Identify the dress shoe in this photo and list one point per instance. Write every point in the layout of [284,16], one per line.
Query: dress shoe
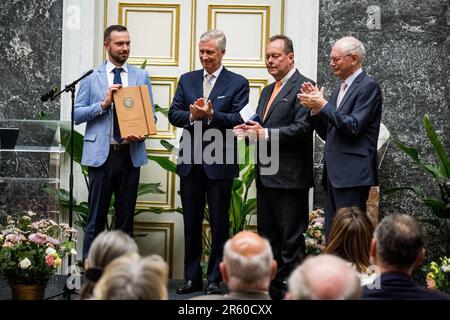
[213,288]
[189,286]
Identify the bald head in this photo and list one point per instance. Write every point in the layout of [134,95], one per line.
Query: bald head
[247,262]
[324,277]
[247,244]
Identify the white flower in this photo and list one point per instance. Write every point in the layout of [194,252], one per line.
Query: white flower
[31,213]
[446,268]
[73,252]
[25,263]
[50,251]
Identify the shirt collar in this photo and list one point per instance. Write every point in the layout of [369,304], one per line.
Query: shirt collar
[352,78]
[215,73]
[110,66]
[287,76]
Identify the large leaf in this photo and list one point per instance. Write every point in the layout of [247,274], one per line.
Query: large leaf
[412,152]
[444,162]
[164,111]
[167,145]
[146,188]
[164,162]
[437,206]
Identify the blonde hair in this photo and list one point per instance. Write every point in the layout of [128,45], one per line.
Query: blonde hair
[132,277]
[107,246]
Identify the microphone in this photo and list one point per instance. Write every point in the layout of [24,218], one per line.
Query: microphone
[49,94]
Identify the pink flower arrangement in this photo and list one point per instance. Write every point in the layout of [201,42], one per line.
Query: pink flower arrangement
[315,234]
[31,252]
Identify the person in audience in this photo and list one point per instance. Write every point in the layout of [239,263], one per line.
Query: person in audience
[247,268]
[398,247]
[132,277]
[324,277]
[107,246]
[350,237]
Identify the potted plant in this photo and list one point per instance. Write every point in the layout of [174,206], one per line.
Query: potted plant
[31,252]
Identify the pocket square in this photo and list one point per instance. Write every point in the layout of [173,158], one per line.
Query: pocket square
[221,97]
[284,100]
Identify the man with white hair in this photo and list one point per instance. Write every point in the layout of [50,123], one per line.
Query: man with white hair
[350,123]
[247,268]
[324,277]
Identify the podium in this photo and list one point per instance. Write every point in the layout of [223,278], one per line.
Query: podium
[30,169]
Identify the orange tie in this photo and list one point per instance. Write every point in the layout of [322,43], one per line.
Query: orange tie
[275,91]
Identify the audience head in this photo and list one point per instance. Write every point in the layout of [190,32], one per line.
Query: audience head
[350,237]
[248,263]
[107,246]
[132,277]
[398,244]
[347,56]
[324,277]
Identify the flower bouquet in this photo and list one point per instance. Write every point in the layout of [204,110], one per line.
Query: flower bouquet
[438,275]
[31,252]
[315,234]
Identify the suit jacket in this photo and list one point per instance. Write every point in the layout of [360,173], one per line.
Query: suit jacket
[228,96]
[91,93]
[289,119]
[400,286]
[351,134]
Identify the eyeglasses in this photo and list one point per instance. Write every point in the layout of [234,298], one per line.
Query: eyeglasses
[339,58]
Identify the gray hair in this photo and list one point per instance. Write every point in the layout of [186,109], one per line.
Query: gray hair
[219,36]
[131,277]
[320,275]
[400,239]
[351,45]
[248,271]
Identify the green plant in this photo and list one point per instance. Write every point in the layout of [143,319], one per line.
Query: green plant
[440,206]
[438,275]
[31,251]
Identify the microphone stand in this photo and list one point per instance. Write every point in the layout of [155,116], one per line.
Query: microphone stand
[70,87]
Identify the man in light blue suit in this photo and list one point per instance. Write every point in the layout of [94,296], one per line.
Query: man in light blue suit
[113,161]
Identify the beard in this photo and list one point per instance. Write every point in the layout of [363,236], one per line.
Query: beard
[118,57]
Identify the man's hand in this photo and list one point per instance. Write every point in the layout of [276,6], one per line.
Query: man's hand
[106,103]
[133,138]
[254,130]
[311,97]
[204,110]
[239,130]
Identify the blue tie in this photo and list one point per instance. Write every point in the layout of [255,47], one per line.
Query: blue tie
[117,80]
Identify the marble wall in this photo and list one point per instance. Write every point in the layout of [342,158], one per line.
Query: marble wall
[408,51]
[30,47]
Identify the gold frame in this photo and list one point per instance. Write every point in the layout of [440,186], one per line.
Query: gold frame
[257,82]
[172,132]
[168,228]
[175,32]
[213,10]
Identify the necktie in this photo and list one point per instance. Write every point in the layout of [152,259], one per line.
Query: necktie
[275,91]
[207,85]
[341,94]
[116,129]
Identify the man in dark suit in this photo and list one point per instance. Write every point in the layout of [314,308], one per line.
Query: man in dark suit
[247,268]
[207,101]
[350,123]
[113,161]
[282,196]
[398,247]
